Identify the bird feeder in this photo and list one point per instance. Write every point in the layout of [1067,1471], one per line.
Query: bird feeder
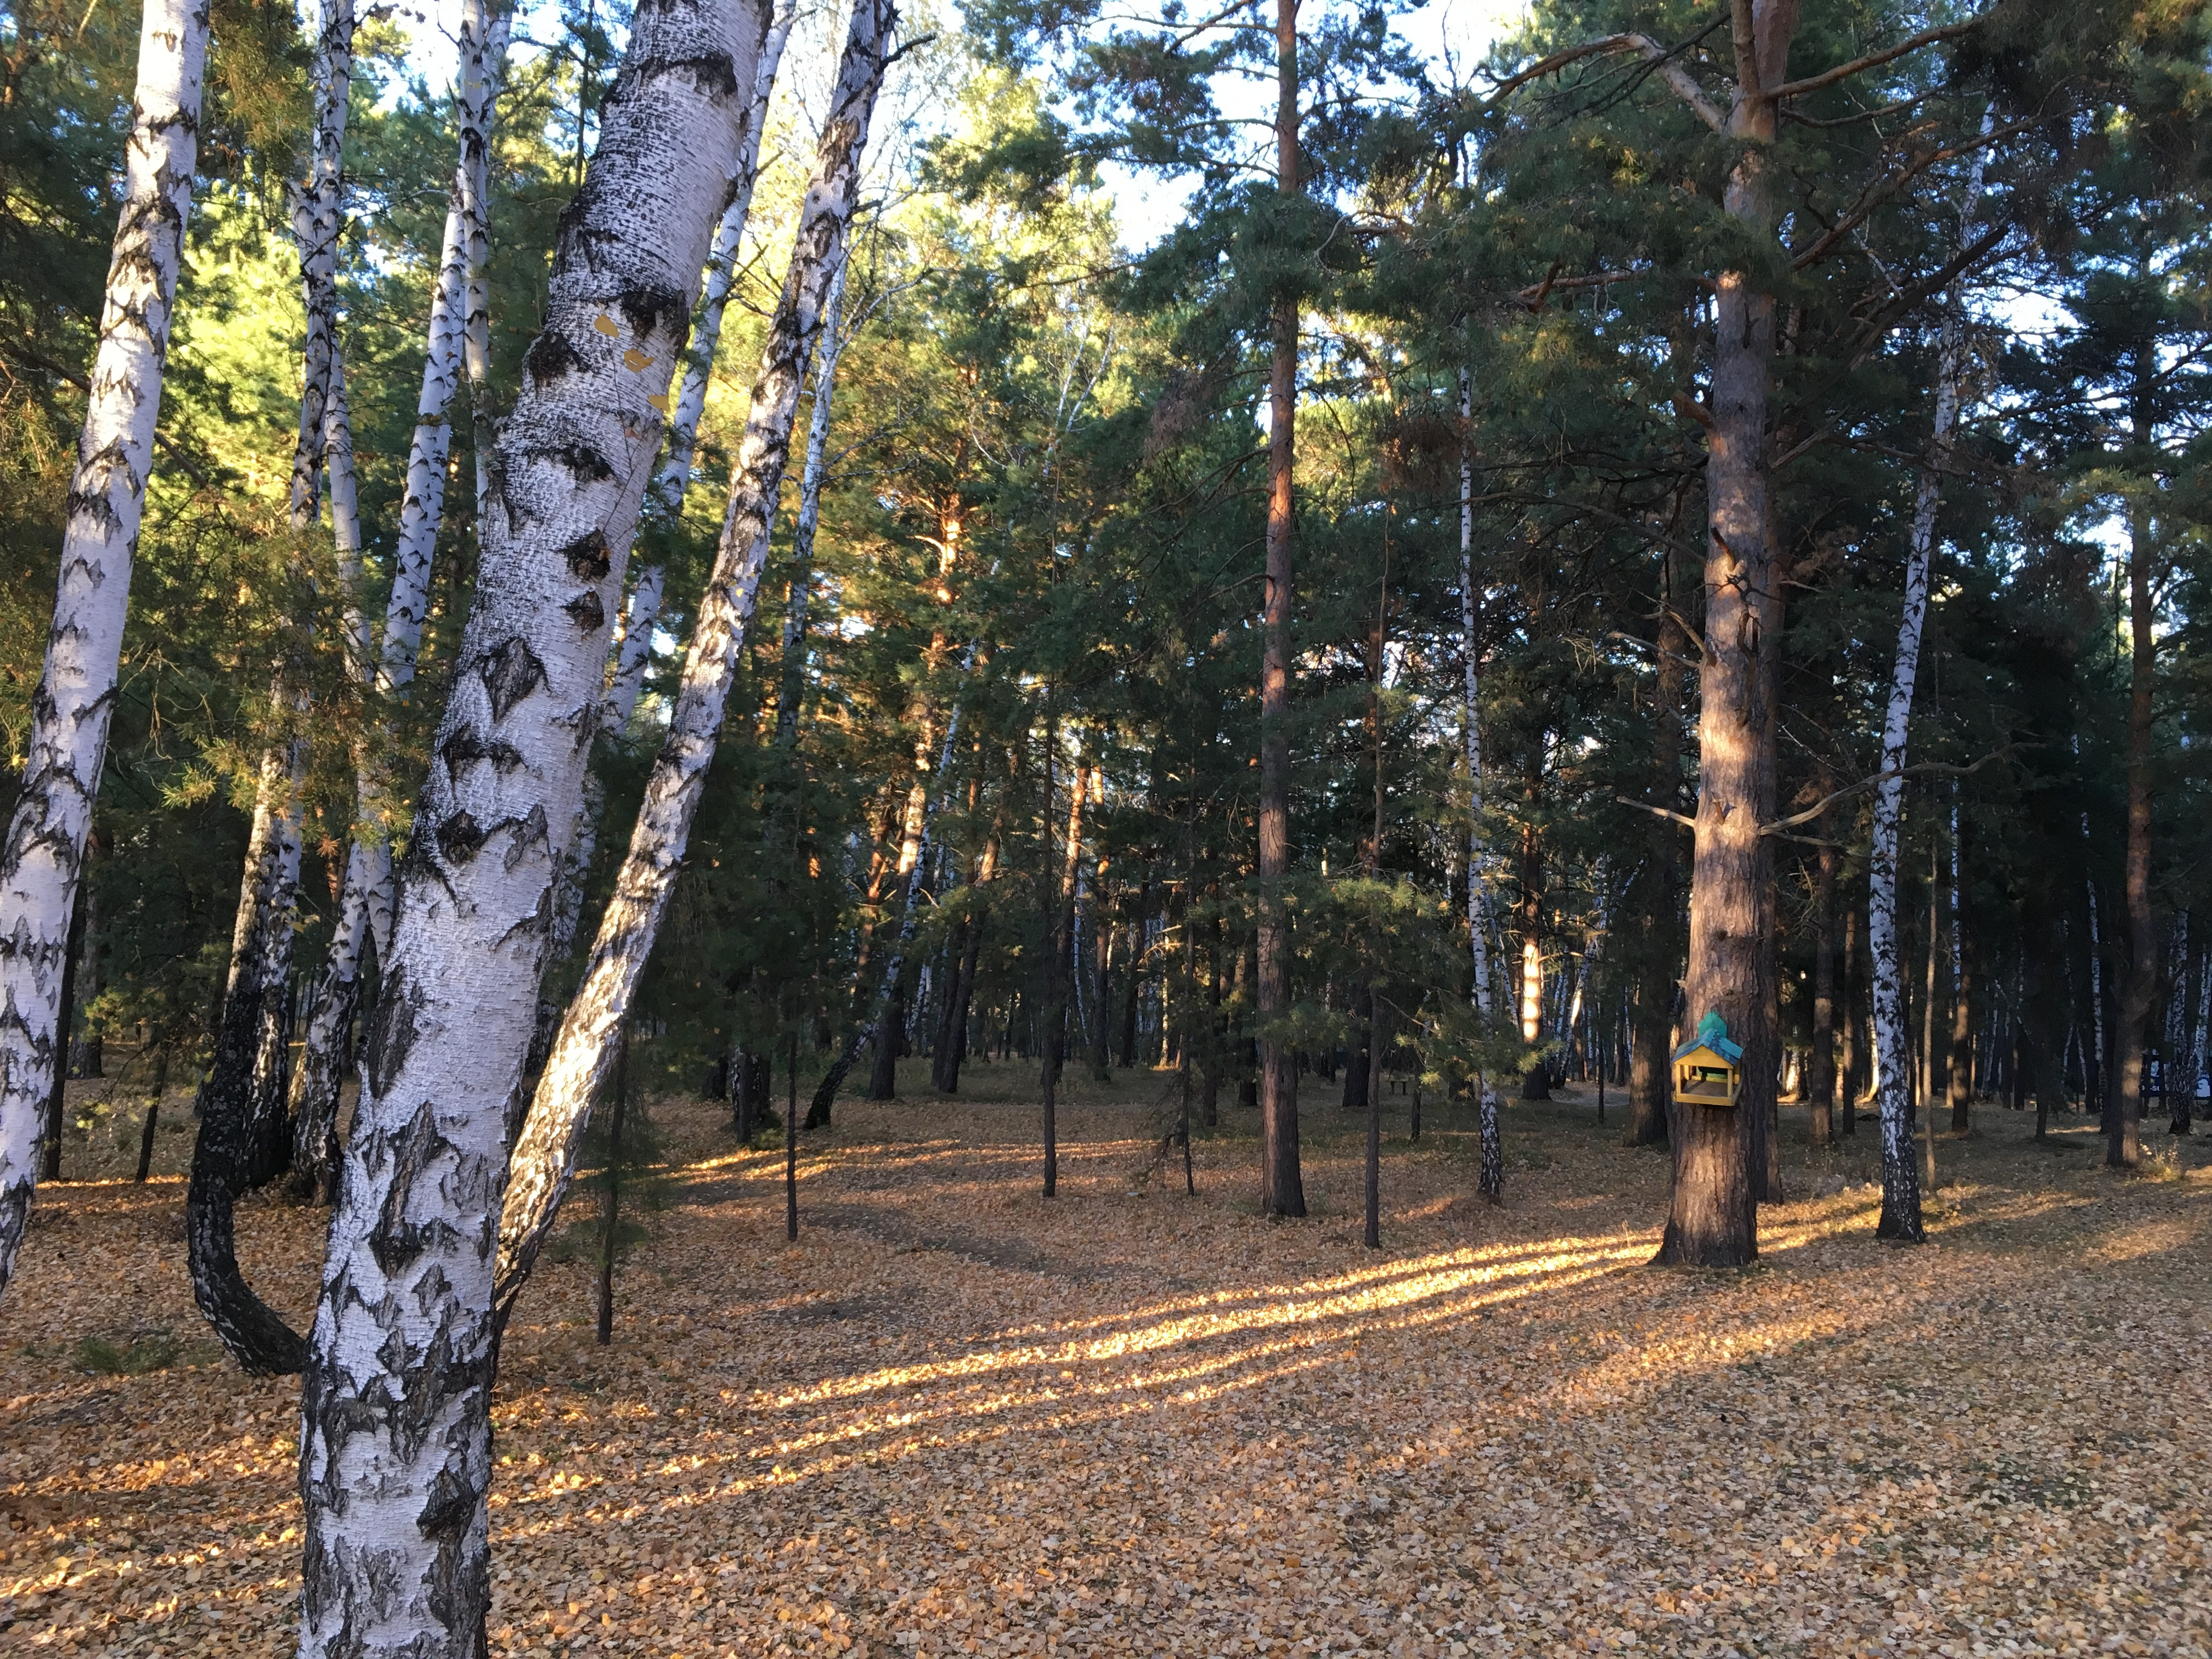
[1708,1068]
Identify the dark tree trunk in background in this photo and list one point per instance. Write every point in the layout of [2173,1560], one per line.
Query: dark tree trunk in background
[57,1091]
[2124,1149]
[1847,1085]
[1658,951]
[1358,1055]
[1821,1068]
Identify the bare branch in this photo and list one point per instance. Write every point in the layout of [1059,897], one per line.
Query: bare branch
[1873,60]
[1925,768]
[1684,84]
[1660,811]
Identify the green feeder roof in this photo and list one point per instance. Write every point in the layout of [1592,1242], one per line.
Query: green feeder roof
[1712,1033]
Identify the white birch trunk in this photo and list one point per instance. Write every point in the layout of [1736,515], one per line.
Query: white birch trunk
[365,901]
[43,856]
[241,1143]
[545,1152]
[396,1434]
[663,502]
[1900,1175]
[1492,1179]
[791,681]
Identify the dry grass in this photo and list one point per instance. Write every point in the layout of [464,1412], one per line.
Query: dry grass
[956,1419]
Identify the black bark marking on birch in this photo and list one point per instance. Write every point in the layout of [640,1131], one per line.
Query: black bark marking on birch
[511,671]
[585,463]
[451,1506]
[392,1037]
[465,747]
[650,306]
[395,1241]
[460,838]
[589,556]
[549,357]
[587,612]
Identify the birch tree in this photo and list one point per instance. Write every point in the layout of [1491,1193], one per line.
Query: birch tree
[395,1437]
[241,1143]
[1900,1175]
[560,1110]
[1492,1180]
[452,346]
[42,858]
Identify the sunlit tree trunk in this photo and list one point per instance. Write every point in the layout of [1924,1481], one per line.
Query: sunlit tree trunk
[1820,1072]
[396,1432]
[2139,988]
[1282,1190]
[1713,1219]
[560,1109]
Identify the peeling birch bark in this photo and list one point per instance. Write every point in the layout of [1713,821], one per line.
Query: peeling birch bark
[42,858]
[552,1132]
[396,1435]
[365,900]
[1900,1175]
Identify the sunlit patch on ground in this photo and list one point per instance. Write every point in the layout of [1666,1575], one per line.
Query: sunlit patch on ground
[955,1419]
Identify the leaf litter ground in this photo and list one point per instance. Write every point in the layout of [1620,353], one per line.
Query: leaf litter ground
[957,1419]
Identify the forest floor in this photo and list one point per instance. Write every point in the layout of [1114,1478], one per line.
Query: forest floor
[956,1417]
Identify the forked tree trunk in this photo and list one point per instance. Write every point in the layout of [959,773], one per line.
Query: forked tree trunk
[396,1432]
[1491,1178]
[1282,1189]
[560,1110]
[42,858]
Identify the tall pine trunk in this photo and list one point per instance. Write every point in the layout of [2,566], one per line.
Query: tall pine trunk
[2139,988]
[42,858]
[1820,1072]
[1282,1189]
[1713,1220]
[560,1110]
[396,1432]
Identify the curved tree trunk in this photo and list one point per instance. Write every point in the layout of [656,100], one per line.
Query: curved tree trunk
[545,1152]
[42,858]
[395,1433]
[242,1142]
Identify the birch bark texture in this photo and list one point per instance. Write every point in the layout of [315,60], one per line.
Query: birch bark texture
[1900,1176]
[396,1432]
[365,899]
[242,1143]
[552,1132]
[1492,1180]
[42,858]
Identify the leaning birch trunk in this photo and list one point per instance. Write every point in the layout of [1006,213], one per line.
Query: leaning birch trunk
[664,501]
[396,1434]
[43,856]
[790,679]
[1900,1175]
[241,1141]
[365,900]
[913,860]
[1492,1177]
[552,1132]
